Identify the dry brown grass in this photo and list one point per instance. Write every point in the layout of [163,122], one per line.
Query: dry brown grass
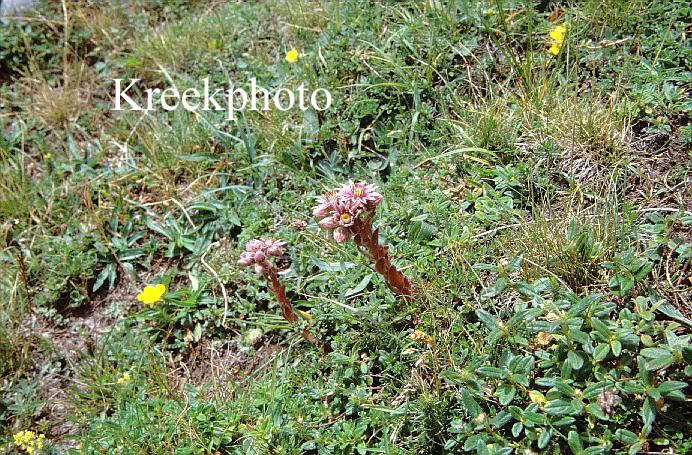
[56,103]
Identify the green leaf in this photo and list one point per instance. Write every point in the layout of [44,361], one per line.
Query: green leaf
[362,285]
[535,418]
[643,270]
[566,370]
[493,372]
[520,379]
[472,407]
[544,438]
[672,389]
[487,319]
[578,336]
[495,289]
[158,228]
[621,283]
[595,410]
[501,419]
[632,386]
[575,360]
[516,412]
[654,393]
[601,352]
[657,358]
[616,348]
[506,393]
[105,273]
[562,421]
[453,377]
[559,407]
[482,448]
[516,429]
[596,450]
[601,328]
[626,436]
[648,412]
[672,312]
[581,307]
[197,332]
[574,442]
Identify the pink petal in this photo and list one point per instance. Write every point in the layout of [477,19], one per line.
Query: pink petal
[254,245]
[322,210]
[276,249]
[245,258]
[375,198]
[328,223]
[340,235]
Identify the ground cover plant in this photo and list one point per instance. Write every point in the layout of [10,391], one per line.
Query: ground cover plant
[504,266]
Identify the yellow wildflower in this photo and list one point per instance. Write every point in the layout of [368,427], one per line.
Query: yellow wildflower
[151,294]
[125,378]
[555,48]
[29,441]
[557,36]
[292,55]
[422,337]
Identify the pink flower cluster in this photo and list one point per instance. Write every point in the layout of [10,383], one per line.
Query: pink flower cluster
[257,253]
[339,209]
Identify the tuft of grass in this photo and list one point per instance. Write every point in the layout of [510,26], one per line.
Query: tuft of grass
[571,245]
[61,101]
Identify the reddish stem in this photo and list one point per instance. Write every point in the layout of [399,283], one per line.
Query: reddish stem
[280,293]
[367,241]
[287,307]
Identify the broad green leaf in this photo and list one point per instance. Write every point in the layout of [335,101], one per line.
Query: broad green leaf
[516,429]
[601,328]
[575,360]
[657,358]
[360,286]
[535,418]
[487,319]
[621,283]
[673,389]
[574,442]
[601,352]
[559,407]
[472,407]
[544,438]
[626,436]
[505,393]
[648,412]
[493,372]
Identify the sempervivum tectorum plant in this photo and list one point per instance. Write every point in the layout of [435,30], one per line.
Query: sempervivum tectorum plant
[348,213]
[257,254]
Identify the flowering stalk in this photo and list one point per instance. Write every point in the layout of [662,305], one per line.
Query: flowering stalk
[257,254]
[280,293]
[348,212]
